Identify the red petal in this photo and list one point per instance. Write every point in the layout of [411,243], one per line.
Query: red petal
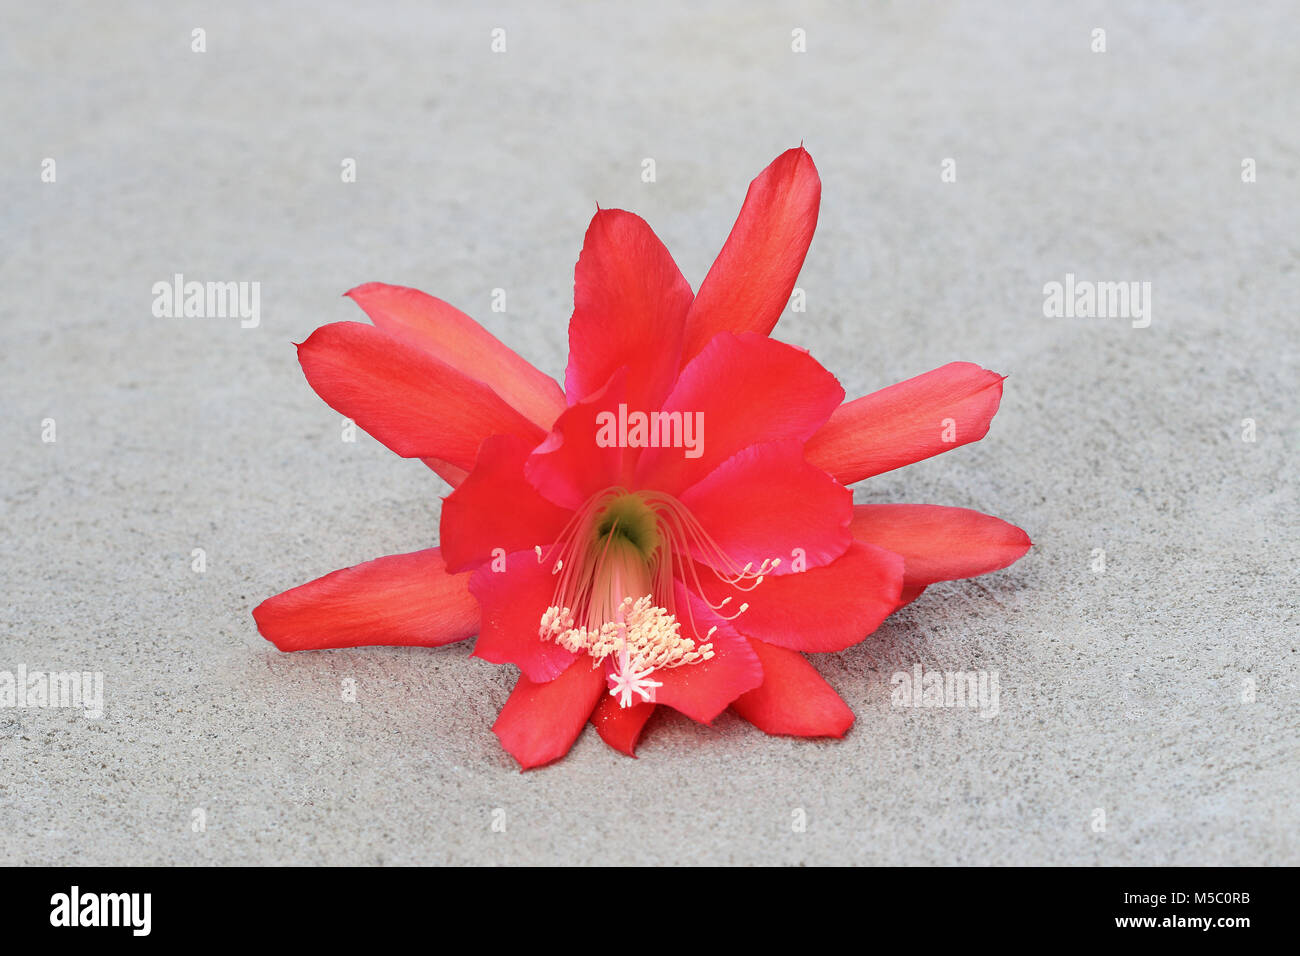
[540,722]
[909,594]
[939,543]
[821,609]
[512,603]
[702,691]
[752,278]
[453,337]
[745,389]
[621,727]
[629,309]
[448,473]
[569,466]
[765,501]
[496,507]
[402,599]
[907,422]
[414,403]
[794,699]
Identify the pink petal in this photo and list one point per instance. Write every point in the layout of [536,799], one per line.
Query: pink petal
[621,727]
[496,508]
[417,405]
[793,699]
[402,599]
[907,422]
[513,601]
[909,594]
[453,337]
[765,501]
[821,609]
[540,721]
[940,543]
[629,309]
[754,274]
[447,472]
[745,389]
[570,466]
[702,691]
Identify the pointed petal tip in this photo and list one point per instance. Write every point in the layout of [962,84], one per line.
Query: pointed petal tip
[367,287]
[802,152]
[621,727]
[627,750]
[938,542]
[749,284]
[527,764]
[894,426]
[794,699]
[836,729]
[261,618]
[395,601]
[539,723]
[842,731]
[624,270]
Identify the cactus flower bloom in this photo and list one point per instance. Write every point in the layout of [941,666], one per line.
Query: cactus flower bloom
[674,527]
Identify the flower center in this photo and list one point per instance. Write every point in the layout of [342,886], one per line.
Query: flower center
[616,564]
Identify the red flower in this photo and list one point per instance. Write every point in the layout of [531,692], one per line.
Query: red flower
[675,526]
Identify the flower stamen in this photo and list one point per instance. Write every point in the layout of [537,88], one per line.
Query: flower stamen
[618,565]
